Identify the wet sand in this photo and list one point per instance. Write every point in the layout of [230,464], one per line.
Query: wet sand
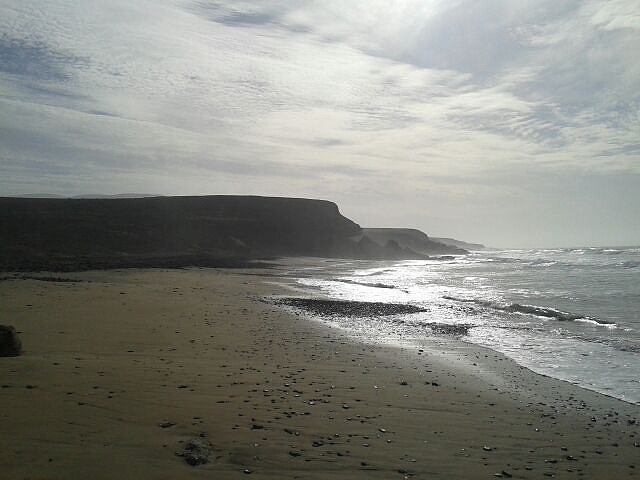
[122,368]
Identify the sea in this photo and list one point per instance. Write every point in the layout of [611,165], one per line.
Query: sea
[569,313]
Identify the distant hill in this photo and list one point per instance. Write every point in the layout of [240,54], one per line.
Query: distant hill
[117,195]
[87,196]
[39,195]
[459,243]
[411,240]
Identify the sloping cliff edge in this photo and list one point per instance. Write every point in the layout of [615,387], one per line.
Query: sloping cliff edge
[411,240]
[460,244]
[219,230]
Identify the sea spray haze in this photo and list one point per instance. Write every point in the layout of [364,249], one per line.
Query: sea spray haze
[573,314]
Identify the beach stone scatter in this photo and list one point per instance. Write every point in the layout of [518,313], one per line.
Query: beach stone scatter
[196,451]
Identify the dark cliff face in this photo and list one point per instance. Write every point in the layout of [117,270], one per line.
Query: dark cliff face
[218,226]
[460,244]
[412,239]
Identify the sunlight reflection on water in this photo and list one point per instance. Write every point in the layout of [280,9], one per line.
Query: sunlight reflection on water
[525,304]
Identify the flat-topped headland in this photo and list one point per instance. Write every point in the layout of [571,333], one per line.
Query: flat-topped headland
[211,231]
[167,231]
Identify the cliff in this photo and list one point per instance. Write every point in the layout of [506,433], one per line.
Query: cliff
[60,234]
[459,243]
[410,240]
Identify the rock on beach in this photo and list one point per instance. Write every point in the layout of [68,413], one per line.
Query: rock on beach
[10,345]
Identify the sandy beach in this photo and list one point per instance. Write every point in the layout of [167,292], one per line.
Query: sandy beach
[121,369]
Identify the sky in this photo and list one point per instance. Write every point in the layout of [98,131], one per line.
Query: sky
[511,123]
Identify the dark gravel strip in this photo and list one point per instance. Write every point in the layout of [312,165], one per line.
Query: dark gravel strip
[348,308]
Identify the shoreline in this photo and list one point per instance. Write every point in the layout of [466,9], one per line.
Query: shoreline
[454,339]
[459,331]
[194,348]
[451,346]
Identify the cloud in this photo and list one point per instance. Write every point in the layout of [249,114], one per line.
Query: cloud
[614,14]
[190,95]
[35,59]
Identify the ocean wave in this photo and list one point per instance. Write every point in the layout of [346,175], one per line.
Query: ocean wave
[365,284]
[622,345]
[595,321]
[630,264]
[625,346]
[542,262]
[374,273]
[601,250]
[503,260]
[545,312]
[538,262]
[549,262]
[605,251]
